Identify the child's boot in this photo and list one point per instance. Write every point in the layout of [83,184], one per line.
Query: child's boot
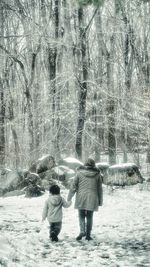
[54,237]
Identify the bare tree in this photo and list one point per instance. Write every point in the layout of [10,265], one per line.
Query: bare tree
[2,102]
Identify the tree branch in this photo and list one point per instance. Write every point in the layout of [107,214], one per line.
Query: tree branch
[21,66]
[87,27]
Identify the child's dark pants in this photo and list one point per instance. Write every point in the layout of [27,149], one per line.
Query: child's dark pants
[55,229]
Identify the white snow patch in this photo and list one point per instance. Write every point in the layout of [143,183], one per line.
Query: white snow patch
[73,160]
[62,169]
[43,157]
[102,164]
[121,236]
[123,165]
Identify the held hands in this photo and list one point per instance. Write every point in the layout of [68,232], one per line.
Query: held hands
[69,202]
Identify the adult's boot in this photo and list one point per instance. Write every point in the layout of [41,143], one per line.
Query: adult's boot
[82,229]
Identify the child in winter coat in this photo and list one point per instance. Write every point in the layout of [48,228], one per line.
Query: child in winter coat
[53,211]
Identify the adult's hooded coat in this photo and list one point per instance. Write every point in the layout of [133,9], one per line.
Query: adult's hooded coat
[87,185]
[53,208]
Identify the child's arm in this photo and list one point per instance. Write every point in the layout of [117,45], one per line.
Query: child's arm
[66,204]
[45,211]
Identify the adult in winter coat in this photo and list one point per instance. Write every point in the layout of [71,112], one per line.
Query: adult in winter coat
[87,185]
[53,211]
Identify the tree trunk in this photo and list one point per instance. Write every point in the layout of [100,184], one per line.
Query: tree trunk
[17,148]
[111,108]
[99,126]
[146,54]
[128,63]
[11,117]
[2,124]
[33,47]
[111,131]
[83,85]
[2,102]
[54,60]
[148,146]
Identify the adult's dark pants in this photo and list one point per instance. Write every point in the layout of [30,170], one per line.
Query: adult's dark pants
[85,221]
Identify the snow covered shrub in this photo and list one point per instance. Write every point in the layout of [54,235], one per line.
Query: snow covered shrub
[3,262]
[70,162]
[11,180]
[145,186]
[124,174]
[48,178]
[42,164]
[45,163]
[45,169]
[34,186]
[66,173]
[103,167]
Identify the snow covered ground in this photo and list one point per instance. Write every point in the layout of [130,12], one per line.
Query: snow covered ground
[121,233]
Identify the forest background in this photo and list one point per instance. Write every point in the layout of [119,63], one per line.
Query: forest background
[74,80]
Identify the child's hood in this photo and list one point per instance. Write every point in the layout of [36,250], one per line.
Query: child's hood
[55,200]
